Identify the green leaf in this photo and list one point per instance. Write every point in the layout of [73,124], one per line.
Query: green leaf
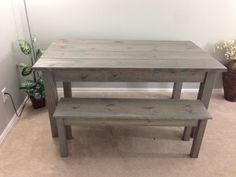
[40,80]
[39,53]
[37,96]
[27,85]
[25,47]
[27,70]
[22,65]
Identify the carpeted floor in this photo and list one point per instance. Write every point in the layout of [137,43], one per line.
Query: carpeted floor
[30,151]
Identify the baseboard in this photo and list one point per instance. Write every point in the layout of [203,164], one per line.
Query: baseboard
[96,89]
[9,126]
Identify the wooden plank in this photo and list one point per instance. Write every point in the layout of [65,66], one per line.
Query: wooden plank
[197,140]
[119,49]
[128,75]
[62,138]
[51,98]
[76,53]
[94,44]
[72,63]
[67,94]
[136,109]
[127,122]
[116,54]
[177,90]
[78,47]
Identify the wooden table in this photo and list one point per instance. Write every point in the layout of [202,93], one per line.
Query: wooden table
[125,61]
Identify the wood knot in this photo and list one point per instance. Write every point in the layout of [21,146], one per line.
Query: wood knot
[114,74]
[84,77]
[188,108]
[148,107]
[111,104]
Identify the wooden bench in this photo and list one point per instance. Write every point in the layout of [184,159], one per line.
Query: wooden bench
[190,113]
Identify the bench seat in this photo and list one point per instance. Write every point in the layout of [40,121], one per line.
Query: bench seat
[147,112]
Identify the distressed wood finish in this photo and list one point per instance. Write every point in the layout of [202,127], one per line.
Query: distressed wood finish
[197,139]
[136,112]
[206,88]
[130,122]
[67,89]
[125,61]
[177,90]
[176,94]
[93,54]
[187,133]
[204,94]
[51,99]
[136,109]
[62,137]
[128,75]
[68,94]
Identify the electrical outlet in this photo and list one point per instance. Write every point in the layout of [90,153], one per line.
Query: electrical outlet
[4,97]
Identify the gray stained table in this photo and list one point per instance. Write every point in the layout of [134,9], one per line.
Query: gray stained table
[69,60]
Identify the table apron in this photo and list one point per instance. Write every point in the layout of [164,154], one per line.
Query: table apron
[128,75]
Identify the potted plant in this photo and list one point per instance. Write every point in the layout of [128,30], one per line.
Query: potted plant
[34,86]
[229,78]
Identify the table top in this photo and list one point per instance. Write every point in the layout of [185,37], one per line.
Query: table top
[133,54]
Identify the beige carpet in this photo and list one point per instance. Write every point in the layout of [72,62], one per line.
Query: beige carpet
[30,151]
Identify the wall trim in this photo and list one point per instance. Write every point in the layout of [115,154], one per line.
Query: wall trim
[115,89]
[11,123]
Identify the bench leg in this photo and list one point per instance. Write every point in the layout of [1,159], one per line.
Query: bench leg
[68,94]
[187,133]
[197,139]
[176,94]
[62,137]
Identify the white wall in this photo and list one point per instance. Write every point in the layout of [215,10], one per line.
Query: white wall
[9,77]
[202,21]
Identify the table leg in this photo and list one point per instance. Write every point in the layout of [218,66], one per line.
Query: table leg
[67,94]
[177,90]
[205,91]
[206,88]
[51,99]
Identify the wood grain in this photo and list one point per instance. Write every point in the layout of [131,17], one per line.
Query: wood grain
[68,94]
[75,53]
[51,99]
[62,137]
[177,88]
[206,88]
[197,139]
[128,75]
[136,109]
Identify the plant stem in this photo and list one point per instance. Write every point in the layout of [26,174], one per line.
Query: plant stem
[34,75]
[33,59]
[37,74]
